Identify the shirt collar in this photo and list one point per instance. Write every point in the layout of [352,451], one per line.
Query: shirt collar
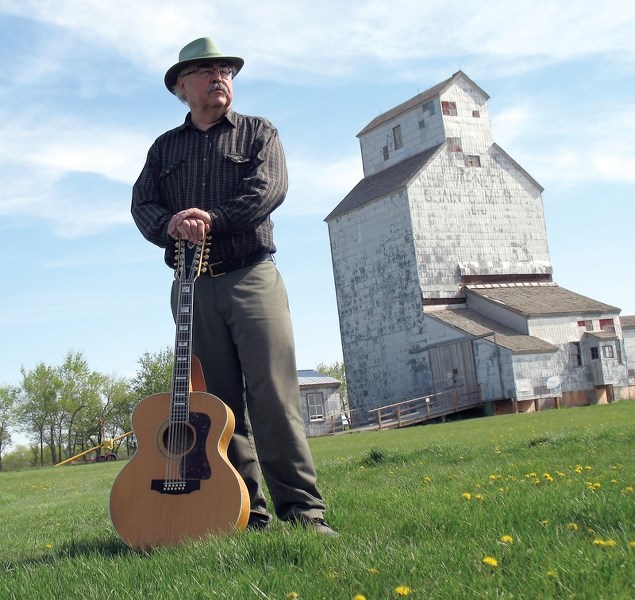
[229,116]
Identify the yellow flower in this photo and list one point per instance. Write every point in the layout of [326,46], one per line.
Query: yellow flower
[490,561]
[572,526]
[359,597]
[426,480]
[373,570]
[632,544]
[628,490]
[610,543]
[547,476]
[599,542]
[507,539]
[467,495]
[552,573]
[293,595]
[48,546]
[403,590]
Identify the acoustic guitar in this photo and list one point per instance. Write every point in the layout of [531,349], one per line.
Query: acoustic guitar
[180,484]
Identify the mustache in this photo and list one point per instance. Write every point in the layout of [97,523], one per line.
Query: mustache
[217,85]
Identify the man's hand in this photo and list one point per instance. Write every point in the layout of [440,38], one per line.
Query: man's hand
[192,224]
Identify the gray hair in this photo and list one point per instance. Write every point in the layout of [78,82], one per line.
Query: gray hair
[176,89]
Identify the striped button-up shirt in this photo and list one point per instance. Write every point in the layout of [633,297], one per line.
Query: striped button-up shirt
[236,171]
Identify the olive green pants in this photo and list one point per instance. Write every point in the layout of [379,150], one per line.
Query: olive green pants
[242,335]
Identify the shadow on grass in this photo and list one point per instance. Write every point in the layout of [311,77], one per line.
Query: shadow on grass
[104,549]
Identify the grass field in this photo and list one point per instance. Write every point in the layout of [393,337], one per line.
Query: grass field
[520,506]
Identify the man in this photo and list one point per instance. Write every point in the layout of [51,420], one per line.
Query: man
[223,173]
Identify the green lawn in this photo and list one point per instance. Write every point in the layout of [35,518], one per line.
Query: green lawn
[519,506]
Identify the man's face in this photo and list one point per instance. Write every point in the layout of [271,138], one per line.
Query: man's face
[207,85]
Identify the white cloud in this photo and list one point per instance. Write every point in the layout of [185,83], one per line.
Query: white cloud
[316,187]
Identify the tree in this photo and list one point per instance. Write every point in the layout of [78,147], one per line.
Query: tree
[8,404]
[118,407]
[337,371]
[79,403]
[38,405]
[154,375]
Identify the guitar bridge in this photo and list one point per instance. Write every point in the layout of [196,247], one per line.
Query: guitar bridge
[172,487]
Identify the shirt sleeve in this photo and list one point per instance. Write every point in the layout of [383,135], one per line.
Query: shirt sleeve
[150,216]
[261,191]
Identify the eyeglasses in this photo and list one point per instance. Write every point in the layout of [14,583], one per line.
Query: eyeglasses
[206,72]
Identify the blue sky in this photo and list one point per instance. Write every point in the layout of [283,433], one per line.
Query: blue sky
[82,99]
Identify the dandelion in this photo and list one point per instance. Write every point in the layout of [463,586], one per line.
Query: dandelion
[426,480]
[579,469]
[403,590]
[373,570]
[544,522]
[332,575]
[547,477]
[359,597]
[479,497]
[628,490]
[572,526]
[631,544]
[507,539]
[552,573]
[493,477]
[490,561]
[466,495]
[293,595]
[48,546]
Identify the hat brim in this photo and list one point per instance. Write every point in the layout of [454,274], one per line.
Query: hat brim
[173,72]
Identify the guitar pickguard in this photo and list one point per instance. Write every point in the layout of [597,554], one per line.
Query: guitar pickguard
[194,465]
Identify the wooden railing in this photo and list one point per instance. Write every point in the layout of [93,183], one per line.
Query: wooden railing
[423,408]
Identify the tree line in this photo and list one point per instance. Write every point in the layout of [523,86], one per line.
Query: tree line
[67,409]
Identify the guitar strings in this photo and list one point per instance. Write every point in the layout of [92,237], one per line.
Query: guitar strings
[178,426]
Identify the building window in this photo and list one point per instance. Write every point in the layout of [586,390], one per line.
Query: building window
[422,124]
[315,406]
[595,353]
[575,354]
[396,136]
[473,160]
[607,351]
[476,114]
[429,107]
[607,325]
[448,108]
[454,144]
[588,325]
[385,150]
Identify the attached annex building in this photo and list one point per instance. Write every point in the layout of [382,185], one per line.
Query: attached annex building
[443,276]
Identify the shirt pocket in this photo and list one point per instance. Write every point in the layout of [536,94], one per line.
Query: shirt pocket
[173,180]
[236,168]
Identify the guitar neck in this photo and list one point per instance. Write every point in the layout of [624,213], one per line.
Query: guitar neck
[180,401]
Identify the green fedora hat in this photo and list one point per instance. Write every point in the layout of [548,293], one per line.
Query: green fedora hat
[201,49]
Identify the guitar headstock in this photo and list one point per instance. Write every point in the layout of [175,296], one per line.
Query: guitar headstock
[190,259]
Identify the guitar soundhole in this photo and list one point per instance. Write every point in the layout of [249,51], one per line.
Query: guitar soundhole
[178,439]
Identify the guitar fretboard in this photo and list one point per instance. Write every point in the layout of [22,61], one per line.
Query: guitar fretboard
[180,405]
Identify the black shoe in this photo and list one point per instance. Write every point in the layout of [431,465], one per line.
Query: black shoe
[317,524]
[257,523]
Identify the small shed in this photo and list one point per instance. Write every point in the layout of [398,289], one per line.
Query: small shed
[320,403]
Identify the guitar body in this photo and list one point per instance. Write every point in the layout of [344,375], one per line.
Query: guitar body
[180,484]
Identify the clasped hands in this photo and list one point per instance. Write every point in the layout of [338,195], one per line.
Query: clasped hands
[191,224]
